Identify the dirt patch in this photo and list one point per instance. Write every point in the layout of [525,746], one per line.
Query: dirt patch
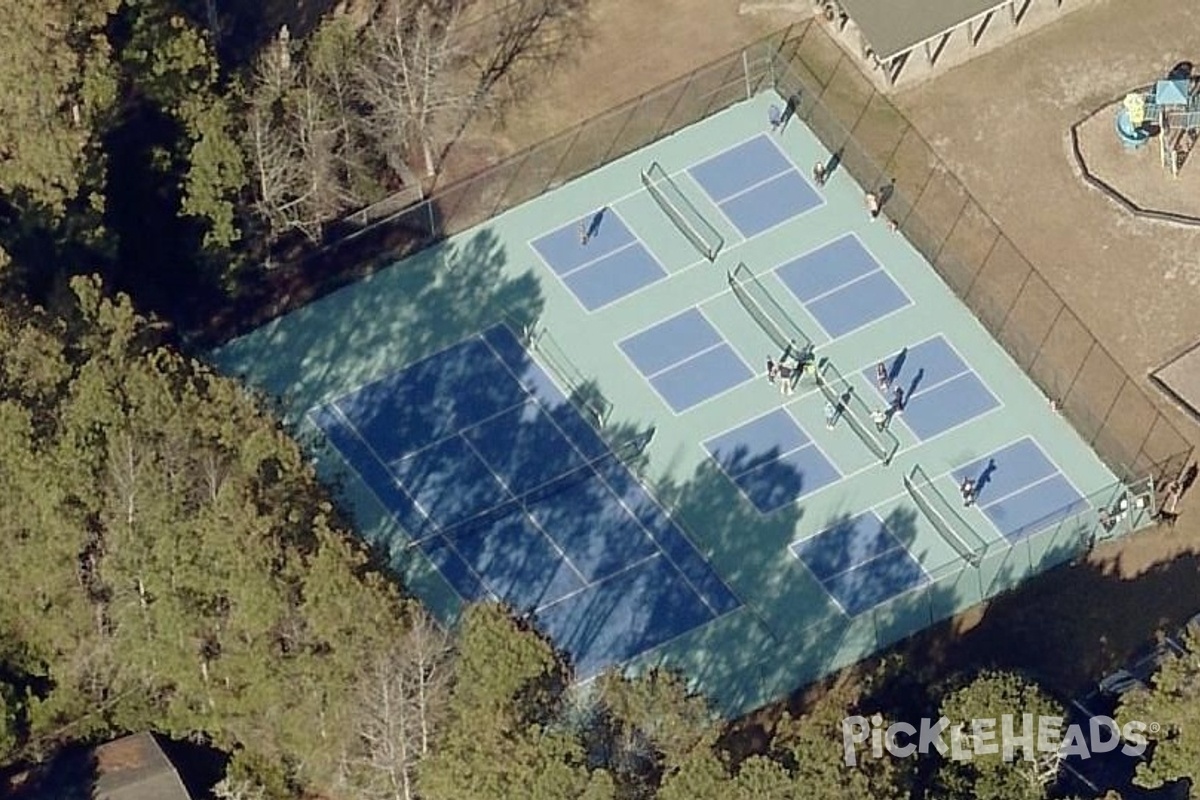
[627,48]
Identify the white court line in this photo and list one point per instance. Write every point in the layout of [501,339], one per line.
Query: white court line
[724,151]
[333,399]
[1013,494]
[821,203]
[777,460]
[512,498]
[686,359]
[933,386]
[868,323]
[746,189]
[579,267]
[957,352]
[633,517]
[875,259]
[722,342]
[869,561]
[711,397]
[664,320]
[415,540]
[619,298]
[838,288]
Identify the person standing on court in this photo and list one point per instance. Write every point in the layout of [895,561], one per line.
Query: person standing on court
[819,174]
[786,377]
[880,418]
[872,201]
[831,414]
[882,378]
[583,232]
[772,370]
[967,490]
[898,400]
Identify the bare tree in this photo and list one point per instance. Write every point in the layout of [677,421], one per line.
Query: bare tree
[414,80]
[402,698]
[294,142]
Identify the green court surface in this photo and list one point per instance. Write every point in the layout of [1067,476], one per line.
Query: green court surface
[792,548]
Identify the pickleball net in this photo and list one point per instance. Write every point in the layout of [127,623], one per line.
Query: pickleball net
[581,391]
[766,312]
[682,212]
[855,412]
[957,533]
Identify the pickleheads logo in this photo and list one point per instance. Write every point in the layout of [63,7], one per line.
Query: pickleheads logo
[1007,735]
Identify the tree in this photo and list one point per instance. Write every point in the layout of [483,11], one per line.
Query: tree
[413,79]
[1170,712]
[503,735]
[300,140]
[170,561]
[173,65]
[9,709]
[60,88]
[403,700]
[990,776]
[645,726]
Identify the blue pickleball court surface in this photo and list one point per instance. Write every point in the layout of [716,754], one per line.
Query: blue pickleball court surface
[511,494]
[842,286]
[613,263]
[860,563]
[686,360]
[940,390]
[772,460]
[755,185]
[1021,489]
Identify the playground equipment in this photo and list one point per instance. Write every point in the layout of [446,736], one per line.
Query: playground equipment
[1171,109]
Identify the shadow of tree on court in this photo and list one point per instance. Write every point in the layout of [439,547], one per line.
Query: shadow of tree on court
[387,319]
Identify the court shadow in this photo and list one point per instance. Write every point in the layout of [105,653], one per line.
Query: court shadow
[593,227]
[897,365]
[789,111]
[915,382]
[831,166]
[886,192]
[388,319]
[985,476]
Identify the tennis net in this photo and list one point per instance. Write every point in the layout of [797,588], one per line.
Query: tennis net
[767,313]
[941,514]
[681,211]
[855,412]
[580,391]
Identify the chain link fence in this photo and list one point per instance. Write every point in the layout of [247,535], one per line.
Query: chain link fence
[877,146]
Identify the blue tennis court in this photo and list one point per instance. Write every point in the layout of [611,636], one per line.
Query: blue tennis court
[772,460]
[755,185]
[599,259]
[842,286]
[940,390]
[686,360]
[1021,490]
[514,496]
[860,563]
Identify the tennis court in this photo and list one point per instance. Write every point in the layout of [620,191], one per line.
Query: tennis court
[569,410]
[513,495]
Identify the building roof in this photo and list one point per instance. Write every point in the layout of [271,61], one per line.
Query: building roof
[893,27]
[135,768]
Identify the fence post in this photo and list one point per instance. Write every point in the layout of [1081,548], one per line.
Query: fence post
[746,73]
